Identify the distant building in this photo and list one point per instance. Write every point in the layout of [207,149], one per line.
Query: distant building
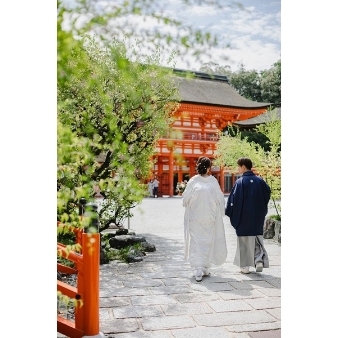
[252,123]
[208,104]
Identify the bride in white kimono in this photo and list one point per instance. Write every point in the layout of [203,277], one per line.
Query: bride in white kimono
[204,235]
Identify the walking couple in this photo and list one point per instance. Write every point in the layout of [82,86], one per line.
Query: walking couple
[247,206]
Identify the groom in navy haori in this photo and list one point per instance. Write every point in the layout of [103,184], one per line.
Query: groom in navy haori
[247,207]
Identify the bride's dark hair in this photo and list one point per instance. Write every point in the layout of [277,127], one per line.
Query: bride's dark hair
[202,165]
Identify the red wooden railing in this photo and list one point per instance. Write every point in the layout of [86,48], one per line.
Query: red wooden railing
[87,268]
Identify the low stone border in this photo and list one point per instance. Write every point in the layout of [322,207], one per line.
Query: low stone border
[121,238]
[272,229]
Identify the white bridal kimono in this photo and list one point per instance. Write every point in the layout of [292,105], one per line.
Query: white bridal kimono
[204,234]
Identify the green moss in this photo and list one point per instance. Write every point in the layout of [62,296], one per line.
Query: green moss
[276,217]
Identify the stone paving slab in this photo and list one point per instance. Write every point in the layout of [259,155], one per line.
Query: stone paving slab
[198,297]
[275,312]
[271,292]
[166,322]
[176,266]
[247,285]
[232,318]
[177,271]
[167,290]
[176,281]
[104,284]
[143,283]
[186,309]
[201,332]
[239,335]
[119,325]
[141,269]
[159,274]
[158,260]
[111,302]
[266,334]
[265,303]
[124,292]
[186,273]
[125,277]
[263,276]
[222,278]
[230,305]
[143,334]
[255,327]
[276,282]
[137,311]
[105,314]
[212,287]
[241,294]
[151,300]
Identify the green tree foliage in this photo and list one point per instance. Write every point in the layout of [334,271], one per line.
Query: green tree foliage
[256,137]
[264,86]
[214,68]
[120,108]
[73,152]
[271,84]
[247,83]
[249,135]
[266,163]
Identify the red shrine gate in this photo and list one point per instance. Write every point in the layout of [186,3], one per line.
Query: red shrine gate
[194,134]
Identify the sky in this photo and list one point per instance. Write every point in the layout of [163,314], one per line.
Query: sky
[254,32]
[248,35]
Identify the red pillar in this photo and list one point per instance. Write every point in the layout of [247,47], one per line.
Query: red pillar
[171,173]
[192,167]
[180,175]
[221,179]
[160,176]
[160,166]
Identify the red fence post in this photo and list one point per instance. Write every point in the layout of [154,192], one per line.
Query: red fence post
[91,274]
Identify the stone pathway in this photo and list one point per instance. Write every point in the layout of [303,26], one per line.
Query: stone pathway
[159,297]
